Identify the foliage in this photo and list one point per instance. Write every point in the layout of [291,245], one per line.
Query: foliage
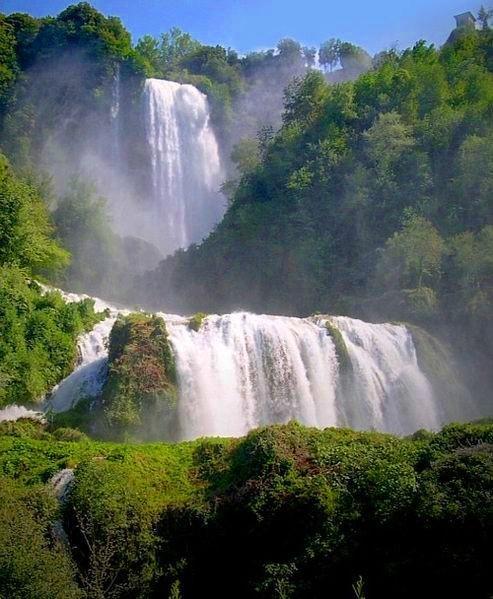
[140,393]
[353,59]
[38,333]
[26,231]
[362,202]
[195,322]
[207,516]
[33,565]
[413,256]
[8,62]
[340,346]
[472,271]
[82,226]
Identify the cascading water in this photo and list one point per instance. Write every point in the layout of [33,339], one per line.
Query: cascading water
[242,370]
[115,114]
[185,166]
[88,378]
[388,391]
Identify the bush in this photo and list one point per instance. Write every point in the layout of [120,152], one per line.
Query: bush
[38,337]
[69,434]
[32,564]
[286,508]
[140,394]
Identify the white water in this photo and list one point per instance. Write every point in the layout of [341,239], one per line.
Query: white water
[243,370]
[61,483]
[185,166]
[14,412]
[115,114]
[87,380]
[389,391]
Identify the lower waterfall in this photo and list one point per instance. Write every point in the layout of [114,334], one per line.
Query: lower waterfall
[243,370]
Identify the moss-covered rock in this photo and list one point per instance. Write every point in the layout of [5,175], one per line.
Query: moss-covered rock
[195,322]
[140,394]
[340,346]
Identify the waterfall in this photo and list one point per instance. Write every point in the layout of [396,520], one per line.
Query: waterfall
[388,391]
[185,166]
[243,370]
[14,412]
[115,114]
[87,380]
[89,376]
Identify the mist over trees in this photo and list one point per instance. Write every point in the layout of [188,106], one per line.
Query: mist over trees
[366,201]
[363,186]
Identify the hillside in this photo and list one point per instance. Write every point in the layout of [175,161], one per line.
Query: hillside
[285,512]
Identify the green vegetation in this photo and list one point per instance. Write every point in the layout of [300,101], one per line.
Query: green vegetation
[89,45]
[33,564]
[195,322]
[286,511]
[38,330]
[340,347]
[38,333]
[26,231]
[140,394]
[373,199]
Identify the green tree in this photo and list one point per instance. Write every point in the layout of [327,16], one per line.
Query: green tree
[175,45]
[484,15]
[329,53]
[8,61]
[148,48]
[472,272]
[472,188]
[387,139]
[81,221]
[245,155]
[26,230]
[413,256]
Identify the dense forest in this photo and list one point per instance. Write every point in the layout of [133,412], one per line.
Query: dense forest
[373,197]
[352,185]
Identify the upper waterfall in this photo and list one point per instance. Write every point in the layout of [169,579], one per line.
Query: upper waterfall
[185,165]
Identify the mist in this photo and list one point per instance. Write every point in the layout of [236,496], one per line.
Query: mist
[279,182]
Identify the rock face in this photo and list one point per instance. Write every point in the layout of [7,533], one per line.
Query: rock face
[140,392]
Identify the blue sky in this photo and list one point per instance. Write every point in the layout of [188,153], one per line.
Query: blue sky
[254,24]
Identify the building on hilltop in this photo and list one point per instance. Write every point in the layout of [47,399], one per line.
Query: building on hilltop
[465,19]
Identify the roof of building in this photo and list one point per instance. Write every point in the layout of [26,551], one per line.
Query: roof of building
[465,14]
